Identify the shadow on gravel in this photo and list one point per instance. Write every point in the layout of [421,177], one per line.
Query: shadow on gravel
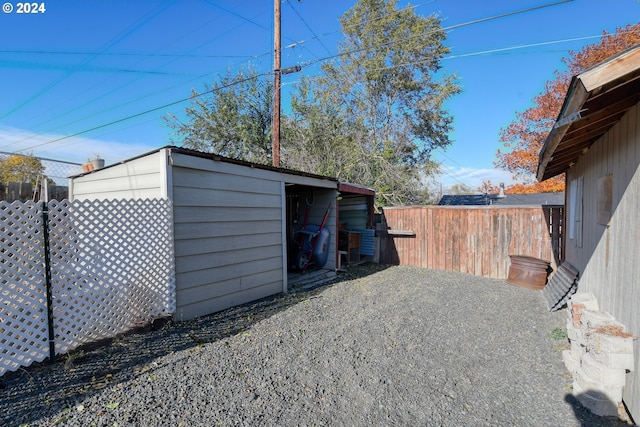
[84,371]
[589,419]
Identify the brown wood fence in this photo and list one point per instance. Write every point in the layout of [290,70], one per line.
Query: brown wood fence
[23,191]
[470,239]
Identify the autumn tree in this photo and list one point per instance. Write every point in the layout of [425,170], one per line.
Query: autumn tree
[524,137]
[17,168]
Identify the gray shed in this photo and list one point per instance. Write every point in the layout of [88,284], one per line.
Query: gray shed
[234,222]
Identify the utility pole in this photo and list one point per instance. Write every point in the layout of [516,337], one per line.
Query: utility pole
[275,123]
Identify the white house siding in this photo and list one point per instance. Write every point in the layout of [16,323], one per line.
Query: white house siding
[144,177]
[609,259]
[228,233]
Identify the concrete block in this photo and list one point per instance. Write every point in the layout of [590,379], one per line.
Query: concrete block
[596,388]
[614,360]
[569,361]
[577,350]
[595,402]
[574,333]
[597,342]
[594,319]
[586,299]
[601,373]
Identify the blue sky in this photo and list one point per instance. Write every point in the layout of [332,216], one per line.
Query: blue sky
[84,67]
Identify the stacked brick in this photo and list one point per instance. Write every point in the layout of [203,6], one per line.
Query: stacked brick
[601,354]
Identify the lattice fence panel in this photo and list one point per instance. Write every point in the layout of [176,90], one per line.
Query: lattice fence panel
[112,267]
[24,336]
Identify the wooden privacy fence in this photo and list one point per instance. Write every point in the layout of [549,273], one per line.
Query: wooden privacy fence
[470,239]
[24,191]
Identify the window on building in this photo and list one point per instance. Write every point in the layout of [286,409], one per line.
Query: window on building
[575,211]
[605,190]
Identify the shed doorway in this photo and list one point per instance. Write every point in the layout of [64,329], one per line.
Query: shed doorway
[311,250]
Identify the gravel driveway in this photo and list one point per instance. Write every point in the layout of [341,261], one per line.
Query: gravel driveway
[380,346]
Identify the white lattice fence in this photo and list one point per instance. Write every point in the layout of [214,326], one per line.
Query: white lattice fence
[112,268]
[24,336]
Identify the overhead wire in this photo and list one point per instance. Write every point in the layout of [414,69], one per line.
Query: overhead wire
[295,44]
[88,68]
[137,54]
[307,25]
[110,92]
[126,33]
[151,110]
[316,61]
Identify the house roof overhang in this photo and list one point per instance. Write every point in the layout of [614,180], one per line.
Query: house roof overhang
[596,100]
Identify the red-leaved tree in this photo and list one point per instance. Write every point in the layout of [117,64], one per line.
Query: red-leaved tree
[524,137]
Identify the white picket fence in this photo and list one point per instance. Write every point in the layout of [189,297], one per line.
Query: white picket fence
[111,269]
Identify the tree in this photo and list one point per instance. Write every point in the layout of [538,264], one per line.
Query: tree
[17,168]
[233,120]
[524,137]
[460,189]
[376,112]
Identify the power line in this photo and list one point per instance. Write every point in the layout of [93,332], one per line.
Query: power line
[130,30]
[171,104]
[308,27]
[464,24]
[311,63]
[136,54]
[110,92]
[118,106]
[88,68]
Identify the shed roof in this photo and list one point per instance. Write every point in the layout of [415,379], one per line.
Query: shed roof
[216,157]
[596,100]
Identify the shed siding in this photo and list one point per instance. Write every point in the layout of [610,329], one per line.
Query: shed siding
[609,257]
[228,244]
[139,178]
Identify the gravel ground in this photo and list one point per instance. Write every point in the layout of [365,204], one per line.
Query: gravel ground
[380,346]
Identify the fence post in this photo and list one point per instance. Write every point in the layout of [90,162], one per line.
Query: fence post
[47,280]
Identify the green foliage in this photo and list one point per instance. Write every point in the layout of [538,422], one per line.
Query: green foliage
[372,117]
[460,189]
[558,334]
[375,114]
[234,120]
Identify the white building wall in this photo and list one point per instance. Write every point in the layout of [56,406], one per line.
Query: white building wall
[144,177]
[609,258]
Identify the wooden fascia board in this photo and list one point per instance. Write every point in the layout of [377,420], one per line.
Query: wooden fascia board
[348,187]
[615,68]
[576,97]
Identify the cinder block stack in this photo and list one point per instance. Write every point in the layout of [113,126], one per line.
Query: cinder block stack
[601,354]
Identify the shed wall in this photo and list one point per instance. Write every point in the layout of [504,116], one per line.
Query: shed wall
[228,231]
[610,254]
[144,177]
[228,239]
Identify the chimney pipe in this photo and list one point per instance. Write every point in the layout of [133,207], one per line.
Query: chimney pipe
[501,195]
